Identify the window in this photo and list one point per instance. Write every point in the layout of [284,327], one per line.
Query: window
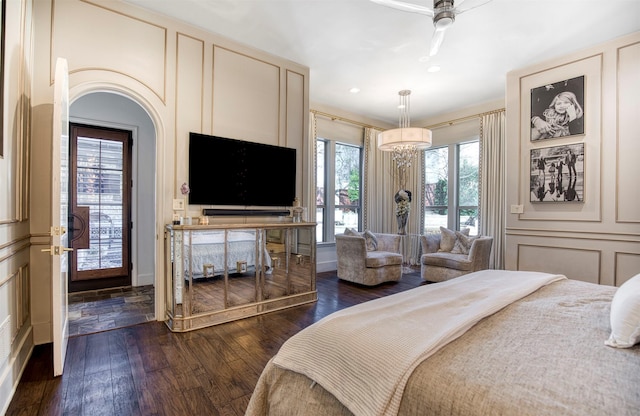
[338,188]
[451,187]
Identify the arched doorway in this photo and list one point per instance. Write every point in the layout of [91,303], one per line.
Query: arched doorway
[93,309]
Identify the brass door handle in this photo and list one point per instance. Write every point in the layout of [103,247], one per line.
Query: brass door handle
[56,250]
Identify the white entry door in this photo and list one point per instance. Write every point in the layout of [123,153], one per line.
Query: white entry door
[59,217]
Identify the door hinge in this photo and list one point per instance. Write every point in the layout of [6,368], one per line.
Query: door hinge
[57,230]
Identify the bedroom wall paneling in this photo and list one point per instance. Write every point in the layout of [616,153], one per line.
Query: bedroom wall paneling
[185,78]
[626,266]
[190,92]
[15,127]
[141,52]
[607,222]
[297,123]
[574,263]
[628,146]
[246,97]
[16,334]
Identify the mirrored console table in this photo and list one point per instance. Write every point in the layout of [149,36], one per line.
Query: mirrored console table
[220,273]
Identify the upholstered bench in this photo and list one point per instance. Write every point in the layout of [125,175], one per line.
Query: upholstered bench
[369,258]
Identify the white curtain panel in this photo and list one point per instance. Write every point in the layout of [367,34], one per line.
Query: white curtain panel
[379,208]
[380,187]
[493,183]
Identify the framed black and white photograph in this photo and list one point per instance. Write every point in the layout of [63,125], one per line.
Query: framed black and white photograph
[557,110]
[557,174]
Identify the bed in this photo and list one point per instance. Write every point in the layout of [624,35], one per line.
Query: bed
[208,248]
[539,351]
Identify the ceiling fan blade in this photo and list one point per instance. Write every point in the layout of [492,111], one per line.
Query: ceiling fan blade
[460,7]
[405,7]
[436,40]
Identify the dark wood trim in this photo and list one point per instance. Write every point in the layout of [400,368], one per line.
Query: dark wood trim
[109,277]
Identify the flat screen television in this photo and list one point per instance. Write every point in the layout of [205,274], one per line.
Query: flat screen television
[225,171]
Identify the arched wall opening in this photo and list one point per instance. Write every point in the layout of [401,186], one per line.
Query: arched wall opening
[112,108]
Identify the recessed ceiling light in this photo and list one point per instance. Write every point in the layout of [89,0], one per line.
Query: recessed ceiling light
[433,68]
[354,90]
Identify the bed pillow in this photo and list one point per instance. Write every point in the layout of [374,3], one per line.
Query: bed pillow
[463,243]
[625,315]
[370,241]
[448,238]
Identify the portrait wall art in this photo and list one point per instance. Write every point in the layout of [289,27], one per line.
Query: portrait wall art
[557,174]
[557,110]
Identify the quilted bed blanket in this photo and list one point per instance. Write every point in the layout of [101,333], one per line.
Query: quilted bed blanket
[369,377]
[542,355]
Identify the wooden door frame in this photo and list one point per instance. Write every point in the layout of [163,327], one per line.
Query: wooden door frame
[125,278]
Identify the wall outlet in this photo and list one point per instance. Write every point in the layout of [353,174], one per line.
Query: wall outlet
[178,204]
[517,209]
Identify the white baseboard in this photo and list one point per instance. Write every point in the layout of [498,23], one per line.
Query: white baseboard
[326,266]
[12,369]
[144,279]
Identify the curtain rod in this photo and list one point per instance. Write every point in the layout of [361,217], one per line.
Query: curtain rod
[462,119]
[346,120]
[445,123]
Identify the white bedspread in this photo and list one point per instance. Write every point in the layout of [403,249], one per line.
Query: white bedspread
[364,355]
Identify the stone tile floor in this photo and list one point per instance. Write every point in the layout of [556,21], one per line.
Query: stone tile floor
[100,310]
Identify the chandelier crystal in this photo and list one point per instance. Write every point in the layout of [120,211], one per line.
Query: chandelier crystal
[405,141]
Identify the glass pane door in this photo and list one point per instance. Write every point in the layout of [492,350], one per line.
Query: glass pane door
[100,186]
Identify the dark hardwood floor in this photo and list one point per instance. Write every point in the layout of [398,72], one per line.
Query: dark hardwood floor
[148,370]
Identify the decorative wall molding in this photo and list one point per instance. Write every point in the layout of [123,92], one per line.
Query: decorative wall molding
[591,208]
[575,263]
[627,143]
[626,266]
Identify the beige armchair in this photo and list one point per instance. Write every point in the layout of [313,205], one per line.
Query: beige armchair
[366,263]
[437,266]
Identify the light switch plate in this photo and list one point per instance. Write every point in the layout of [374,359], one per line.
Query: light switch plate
[178,204]
[517,209]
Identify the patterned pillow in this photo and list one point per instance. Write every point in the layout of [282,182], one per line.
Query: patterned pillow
[351,231]
[463,243]
[370,240]
[448,238]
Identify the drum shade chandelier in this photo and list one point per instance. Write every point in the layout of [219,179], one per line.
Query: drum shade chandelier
[405,141]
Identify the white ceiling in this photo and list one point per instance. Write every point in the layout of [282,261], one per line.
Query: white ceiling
[357,43]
